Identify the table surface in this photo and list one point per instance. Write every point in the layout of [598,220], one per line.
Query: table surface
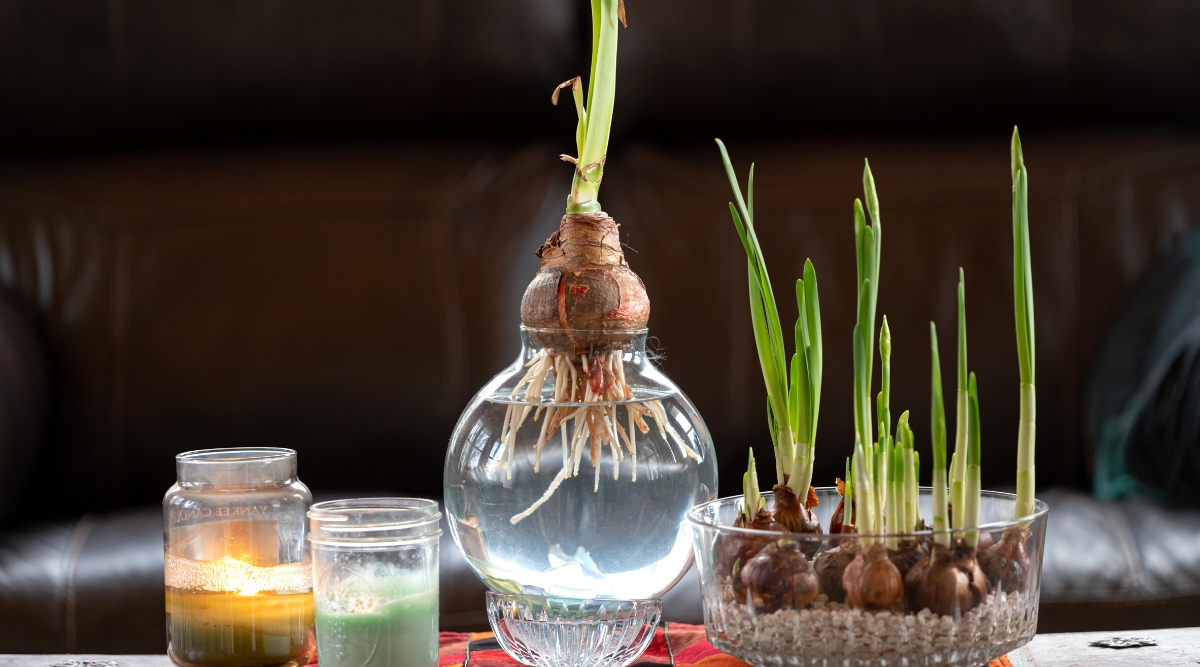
[1175,648]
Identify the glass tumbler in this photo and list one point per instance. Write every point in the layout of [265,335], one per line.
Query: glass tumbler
[375,569]
[238,573]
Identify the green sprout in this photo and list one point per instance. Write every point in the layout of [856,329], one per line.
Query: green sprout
[1023,305]
[595,118]
[958,460]
[751,499]
[793,387]
[937,429]
[971,487]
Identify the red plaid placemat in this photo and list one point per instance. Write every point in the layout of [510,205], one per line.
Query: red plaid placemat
[676,644]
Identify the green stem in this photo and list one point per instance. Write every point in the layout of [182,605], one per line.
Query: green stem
[971,491]
[885,356]
[864,503]
[602,86]
[937,429]
[751,499]
[1023,305]
[793,389]
[959,461]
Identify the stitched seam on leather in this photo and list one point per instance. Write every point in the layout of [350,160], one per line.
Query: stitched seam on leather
[78,539]
[1133,557]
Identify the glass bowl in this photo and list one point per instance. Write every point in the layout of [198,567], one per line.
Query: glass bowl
[571,472]
[556,632]
[786,626]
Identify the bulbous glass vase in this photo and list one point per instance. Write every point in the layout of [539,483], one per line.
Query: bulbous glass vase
[571,473]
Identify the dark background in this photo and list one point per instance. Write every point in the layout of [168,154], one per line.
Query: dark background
[308,223]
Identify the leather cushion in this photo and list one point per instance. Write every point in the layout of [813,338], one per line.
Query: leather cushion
[24,396]
[96,585]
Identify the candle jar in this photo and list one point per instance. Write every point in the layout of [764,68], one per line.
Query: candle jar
[238,572]
[375,570]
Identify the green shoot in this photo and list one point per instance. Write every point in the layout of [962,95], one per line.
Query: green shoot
[959,460]
[848,497]
[595,119]
[971,490]
[751,499]
[937,430]
[913,491]
[868,243]
[1023,304]
[909,465]
[885,392]
[870,455]
[865,513]
[793,386]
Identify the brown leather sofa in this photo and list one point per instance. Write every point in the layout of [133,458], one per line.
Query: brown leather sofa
[309,224]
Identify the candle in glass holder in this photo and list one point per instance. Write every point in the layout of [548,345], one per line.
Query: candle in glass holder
[376,582]
[227,613]
[238,572]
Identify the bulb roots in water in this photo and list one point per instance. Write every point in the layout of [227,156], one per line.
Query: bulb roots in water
[593,385]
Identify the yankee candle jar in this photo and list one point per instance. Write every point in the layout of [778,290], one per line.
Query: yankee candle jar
[375,569]
[238,572]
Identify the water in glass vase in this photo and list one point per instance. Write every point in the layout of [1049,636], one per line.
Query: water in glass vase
[553,490]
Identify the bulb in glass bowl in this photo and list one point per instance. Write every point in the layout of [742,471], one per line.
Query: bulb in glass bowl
[571,473]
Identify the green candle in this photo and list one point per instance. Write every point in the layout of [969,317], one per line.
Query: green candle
[394,625]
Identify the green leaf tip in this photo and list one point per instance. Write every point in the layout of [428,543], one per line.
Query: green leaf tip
[973,437]
[1018,158]
[885,342]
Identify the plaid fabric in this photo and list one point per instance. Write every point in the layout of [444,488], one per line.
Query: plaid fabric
[676,644]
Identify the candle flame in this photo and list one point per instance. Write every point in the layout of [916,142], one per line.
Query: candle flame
[231,575]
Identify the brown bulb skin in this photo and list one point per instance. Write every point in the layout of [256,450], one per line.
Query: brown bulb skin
[780,577]
[794,515]
[737,549]
[831,565]
[872,582]
[584,284]
[908,554]
[1006,563]
[948,582]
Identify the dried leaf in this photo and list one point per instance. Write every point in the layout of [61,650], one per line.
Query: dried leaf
[573,84]
[621,13]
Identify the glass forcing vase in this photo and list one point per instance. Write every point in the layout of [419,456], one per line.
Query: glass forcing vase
[572,471]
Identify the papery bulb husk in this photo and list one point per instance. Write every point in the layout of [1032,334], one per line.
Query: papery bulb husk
[839,523]
[907,554]
[584,284]
[831,565]
[797,517]
[872,582]
[1006,563]
[735,550]
[779,577]
[948,582]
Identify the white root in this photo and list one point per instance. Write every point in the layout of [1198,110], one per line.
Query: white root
[595,424]
[632,439]
[554,484]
